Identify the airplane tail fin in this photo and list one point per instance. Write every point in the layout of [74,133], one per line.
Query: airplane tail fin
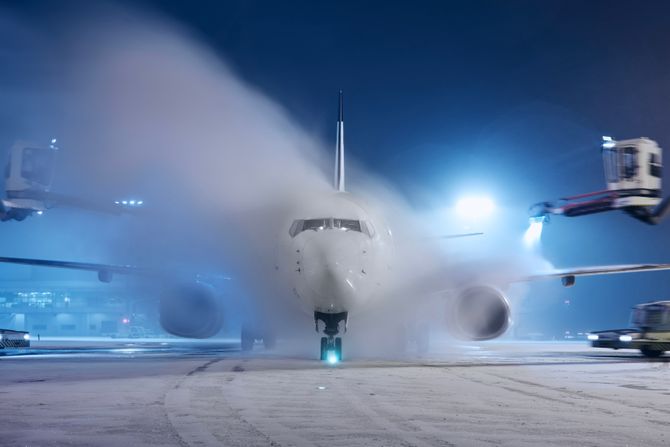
[339,149]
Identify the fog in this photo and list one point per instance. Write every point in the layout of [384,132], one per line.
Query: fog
[143,109]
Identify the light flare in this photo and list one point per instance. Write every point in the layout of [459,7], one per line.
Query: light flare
[332,358]
[475,207]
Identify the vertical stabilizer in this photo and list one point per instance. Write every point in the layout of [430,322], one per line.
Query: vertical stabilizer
[339,149]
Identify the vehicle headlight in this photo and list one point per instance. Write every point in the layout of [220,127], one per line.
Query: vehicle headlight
[625,338]
[592,337]
[26,337]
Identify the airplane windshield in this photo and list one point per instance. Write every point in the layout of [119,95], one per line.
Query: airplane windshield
[329,223]
[315,224]
[347,224]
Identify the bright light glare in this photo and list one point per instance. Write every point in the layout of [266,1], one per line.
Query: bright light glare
[625,338]
[332,357]
[475,207]
[592,337]
[26,337]
[533,233]
[608,142]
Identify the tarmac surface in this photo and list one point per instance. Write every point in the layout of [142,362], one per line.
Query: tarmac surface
[168,393]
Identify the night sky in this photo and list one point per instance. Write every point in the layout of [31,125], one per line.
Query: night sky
[508,98]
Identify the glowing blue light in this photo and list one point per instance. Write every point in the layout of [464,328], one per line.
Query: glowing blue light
[132,203]
[625,338]
[39,213]
[125,202]
[53,141]
[331,358]
[475,207]
[592,337]
[140,202]
[608,142]
[533,233]
[26,337]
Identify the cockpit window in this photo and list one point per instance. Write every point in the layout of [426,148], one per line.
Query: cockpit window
[315,224]
[330,223]
[347,224]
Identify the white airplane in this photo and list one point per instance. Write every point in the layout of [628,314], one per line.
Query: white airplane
[337,257]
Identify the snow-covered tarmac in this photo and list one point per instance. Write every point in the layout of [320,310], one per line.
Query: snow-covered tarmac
[180,394]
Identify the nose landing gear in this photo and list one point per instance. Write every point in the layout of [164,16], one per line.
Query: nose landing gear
[331,349]
[331,346]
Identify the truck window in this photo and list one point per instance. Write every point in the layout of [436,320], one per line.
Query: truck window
[655,167]
[629,162]
[37,165]
[610,163]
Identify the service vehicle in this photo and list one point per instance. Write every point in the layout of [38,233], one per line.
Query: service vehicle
[650,333]
[633,174]
[14,339]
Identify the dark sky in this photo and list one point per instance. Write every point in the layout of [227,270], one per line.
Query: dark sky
[509,97]
[428,82]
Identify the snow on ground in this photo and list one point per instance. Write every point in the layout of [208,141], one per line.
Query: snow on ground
[512,394]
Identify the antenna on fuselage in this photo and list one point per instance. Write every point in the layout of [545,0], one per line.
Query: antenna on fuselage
[339,149]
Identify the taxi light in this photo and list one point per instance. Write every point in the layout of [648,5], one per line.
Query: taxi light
[332,357]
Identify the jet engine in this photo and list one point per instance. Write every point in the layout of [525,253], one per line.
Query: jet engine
[479,313]
[191,311]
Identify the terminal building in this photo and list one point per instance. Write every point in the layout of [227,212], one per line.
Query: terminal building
[62,308]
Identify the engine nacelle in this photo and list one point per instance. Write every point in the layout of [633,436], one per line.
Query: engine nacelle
[191,311]
[479,313]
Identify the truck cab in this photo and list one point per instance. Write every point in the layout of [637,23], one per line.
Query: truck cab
[28,176]
[633,170]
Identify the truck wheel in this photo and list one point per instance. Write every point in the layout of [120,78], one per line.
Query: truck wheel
[651,353]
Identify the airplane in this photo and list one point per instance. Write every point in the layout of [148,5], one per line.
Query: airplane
[338,257]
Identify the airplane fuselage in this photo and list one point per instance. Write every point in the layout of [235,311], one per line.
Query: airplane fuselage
[334,254]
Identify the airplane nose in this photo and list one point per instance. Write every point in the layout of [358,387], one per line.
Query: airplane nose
[332,269]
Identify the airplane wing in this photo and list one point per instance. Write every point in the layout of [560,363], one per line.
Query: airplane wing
[105,271]
[568,276]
